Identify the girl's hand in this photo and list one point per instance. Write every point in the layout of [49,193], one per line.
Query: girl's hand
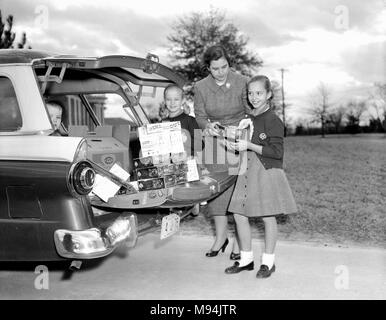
[238,145]
[245,123]
[242,145]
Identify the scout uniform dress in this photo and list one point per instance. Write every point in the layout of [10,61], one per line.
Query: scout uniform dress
[263,189]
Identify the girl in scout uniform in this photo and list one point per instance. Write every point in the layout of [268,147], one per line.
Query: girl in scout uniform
[262,190]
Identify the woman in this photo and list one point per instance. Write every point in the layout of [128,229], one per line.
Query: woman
[219,99]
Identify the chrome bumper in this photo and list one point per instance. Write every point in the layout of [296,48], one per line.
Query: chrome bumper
[94,243]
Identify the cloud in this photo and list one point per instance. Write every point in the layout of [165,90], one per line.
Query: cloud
[144,27]
[303,14]
[88,29]
[349,62]
[367,63]
[23,11]
[303,36]
[275,23]
[260,33]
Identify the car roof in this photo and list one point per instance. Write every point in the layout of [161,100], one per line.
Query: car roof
[125,67]
[21,55]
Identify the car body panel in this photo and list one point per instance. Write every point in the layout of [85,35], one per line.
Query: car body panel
[18,57]
[29,147]
[29,99]
[47,192]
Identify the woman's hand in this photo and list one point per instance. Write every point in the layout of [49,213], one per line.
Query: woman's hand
[238,145]
[211,129]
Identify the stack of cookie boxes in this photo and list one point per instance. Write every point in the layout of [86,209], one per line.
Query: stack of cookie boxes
[158,172]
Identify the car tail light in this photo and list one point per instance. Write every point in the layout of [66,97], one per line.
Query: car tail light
[81,151]
[82,178]
[82,175]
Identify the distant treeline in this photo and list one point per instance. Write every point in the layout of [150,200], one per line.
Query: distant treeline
[374,126]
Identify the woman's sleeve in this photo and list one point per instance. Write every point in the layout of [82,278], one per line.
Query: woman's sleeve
[199,109]
[244,97]
[275,132]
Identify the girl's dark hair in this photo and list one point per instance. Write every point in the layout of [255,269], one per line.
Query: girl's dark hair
[265,80]
[214,53]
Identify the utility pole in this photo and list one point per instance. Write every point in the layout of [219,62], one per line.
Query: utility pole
[282,70]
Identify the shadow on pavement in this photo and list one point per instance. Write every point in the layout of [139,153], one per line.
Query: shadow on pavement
[28,266]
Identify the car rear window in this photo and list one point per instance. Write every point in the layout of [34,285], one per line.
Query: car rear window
[10,117]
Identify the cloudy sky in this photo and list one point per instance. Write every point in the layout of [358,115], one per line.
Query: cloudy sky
[339,42]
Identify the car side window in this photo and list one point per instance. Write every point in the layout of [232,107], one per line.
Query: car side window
[10,117]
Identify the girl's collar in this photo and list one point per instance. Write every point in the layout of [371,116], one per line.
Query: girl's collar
[178,114]
[256,113]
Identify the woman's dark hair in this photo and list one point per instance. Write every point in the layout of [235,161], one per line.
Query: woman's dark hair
[265,80]
[214,53]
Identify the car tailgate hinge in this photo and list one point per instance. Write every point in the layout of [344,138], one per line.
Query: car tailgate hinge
[151,64]
[53,78]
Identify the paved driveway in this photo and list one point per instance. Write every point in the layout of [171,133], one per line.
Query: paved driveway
[176,268]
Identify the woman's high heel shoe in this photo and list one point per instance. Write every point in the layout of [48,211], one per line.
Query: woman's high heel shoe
[213,253]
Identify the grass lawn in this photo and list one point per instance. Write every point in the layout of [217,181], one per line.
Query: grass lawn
[339,184]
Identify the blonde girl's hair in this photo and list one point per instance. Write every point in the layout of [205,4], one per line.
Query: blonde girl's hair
[174,86]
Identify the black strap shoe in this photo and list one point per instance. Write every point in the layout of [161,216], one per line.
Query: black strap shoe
[213,253]
[235,256]
[236,269]
[264,271]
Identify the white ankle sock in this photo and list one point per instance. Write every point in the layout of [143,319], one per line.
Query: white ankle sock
[268,259]
[246,257]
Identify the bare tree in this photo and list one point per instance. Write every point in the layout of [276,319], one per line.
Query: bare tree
[320,105]
[354,111]
[380,91]
[336,118]
[377,100]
